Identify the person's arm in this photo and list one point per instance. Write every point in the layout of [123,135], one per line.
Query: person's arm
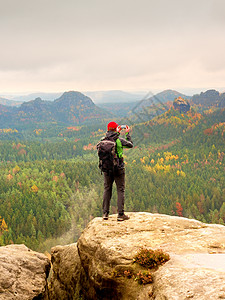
[127,142]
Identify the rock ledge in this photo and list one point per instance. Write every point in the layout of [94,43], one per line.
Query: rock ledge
[23,273]
[94,267]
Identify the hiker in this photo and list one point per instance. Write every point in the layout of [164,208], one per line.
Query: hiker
[110,151]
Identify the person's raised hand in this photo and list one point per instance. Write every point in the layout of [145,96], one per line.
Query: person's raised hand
[118,129]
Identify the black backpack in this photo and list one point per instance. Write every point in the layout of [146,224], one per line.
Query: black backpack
[108,159]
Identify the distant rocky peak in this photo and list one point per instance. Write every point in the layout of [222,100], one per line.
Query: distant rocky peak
[38,99]
[71,94]
[210,93]
[33,102]
[210,98]
[181,104]
[73,97]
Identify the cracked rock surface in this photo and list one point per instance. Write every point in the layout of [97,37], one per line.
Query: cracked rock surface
[94,267]
[23,273]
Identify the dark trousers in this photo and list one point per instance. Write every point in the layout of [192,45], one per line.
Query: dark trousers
[119,179]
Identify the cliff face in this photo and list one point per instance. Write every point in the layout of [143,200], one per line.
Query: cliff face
[94,267]
[23,273]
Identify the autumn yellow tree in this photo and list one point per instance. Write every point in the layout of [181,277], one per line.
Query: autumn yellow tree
[3,225]
[34,188]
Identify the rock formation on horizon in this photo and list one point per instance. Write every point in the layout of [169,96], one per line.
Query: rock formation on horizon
[181,105]
[209,98]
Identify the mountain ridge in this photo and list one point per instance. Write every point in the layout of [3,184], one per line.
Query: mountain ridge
[125,109]
[74,107]
[70,108]
[8,102]
[210,97]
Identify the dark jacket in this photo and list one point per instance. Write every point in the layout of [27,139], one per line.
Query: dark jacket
[124,143]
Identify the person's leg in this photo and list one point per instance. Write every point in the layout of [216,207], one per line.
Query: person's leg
[120,184]
[108,183]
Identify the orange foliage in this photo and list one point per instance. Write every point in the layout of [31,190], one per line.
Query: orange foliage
[19,184]
[215,129]
[179,209]
[73,128]
[55,178]
[89,147]
[22,152]
[208,131]
[38,131]
[9,177]
[18,146]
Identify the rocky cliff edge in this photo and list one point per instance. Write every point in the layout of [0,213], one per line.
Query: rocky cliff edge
[94,267]
[23,273]
[97,267]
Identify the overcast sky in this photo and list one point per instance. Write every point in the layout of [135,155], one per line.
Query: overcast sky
[61,45]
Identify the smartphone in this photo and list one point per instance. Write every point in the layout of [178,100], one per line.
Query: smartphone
[123,126]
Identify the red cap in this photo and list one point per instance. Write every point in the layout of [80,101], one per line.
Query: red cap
[112,126]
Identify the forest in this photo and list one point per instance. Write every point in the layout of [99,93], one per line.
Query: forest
[51,187]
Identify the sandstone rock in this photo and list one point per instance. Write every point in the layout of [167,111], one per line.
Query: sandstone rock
[67,273]
[106,249]
[182,105]
[23,273]
[193,276]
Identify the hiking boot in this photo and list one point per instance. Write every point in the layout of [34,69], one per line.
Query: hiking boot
[122,217]
[105,216]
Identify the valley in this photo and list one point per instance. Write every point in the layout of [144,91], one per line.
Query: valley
[51,186]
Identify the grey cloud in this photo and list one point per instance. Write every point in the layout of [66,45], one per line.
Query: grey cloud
[98,42]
